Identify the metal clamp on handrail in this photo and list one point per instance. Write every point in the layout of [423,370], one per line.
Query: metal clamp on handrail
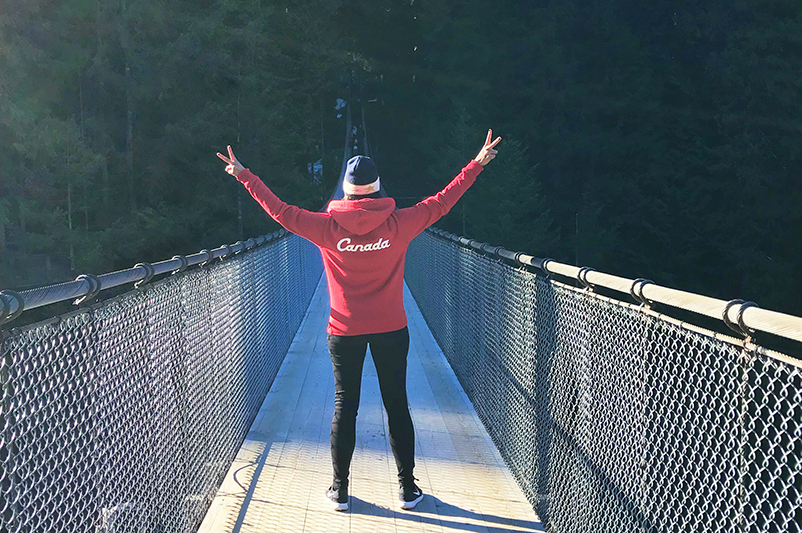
[738,326]
[726,317]
[229,249]
[94,288]
[478,246]
[208,259]
[543,265]
[149,272]
[184,263]
[636,291]
[582,277]
[489,249]
[744,328]
[6,315]
[519,257]
[532,261]
[503,253]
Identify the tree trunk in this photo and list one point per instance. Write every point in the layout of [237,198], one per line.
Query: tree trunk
[86,211]
[576,240]
[105,182]
[81,100]
[239,212]
[129,138]
[322,132]
[69,226]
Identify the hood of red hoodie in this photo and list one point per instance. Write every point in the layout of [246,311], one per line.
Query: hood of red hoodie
[361,216]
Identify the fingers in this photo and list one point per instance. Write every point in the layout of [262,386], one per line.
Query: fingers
[224,158]
[498,140]
[489,136]
[231,153]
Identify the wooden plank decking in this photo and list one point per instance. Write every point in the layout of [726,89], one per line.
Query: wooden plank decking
[279,477]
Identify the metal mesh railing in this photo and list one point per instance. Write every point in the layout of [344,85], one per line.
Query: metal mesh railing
[611,417]
[125,416]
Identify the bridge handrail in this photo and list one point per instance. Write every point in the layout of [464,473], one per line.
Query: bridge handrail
[614,416]
[743,317]
[86,286]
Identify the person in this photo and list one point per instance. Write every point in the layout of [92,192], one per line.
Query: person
[363,241]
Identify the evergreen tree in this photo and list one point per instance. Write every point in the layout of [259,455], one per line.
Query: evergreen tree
[657,140]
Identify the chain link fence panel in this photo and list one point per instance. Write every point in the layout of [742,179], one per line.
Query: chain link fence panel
[613,419]
[124,417]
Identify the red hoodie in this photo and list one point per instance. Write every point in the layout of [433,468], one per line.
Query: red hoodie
[364,245]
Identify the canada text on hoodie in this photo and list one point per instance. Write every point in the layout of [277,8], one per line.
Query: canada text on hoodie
[363,244]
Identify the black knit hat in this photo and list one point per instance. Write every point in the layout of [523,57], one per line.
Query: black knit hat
[361,176]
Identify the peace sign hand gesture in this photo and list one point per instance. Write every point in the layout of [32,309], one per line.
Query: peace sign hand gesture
[487,153]
[234,167]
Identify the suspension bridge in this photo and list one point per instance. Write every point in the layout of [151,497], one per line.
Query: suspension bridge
[200,400]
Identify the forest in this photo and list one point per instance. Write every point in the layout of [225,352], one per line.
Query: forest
[644,139]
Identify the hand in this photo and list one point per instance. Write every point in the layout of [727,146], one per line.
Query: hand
[234,167]
[487,154]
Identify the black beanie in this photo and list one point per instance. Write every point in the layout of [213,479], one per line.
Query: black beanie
[361,176]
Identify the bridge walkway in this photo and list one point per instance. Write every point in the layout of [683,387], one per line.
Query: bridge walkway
[279,476]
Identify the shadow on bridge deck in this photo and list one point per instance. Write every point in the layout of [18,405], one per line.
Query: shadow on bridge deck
[279,477]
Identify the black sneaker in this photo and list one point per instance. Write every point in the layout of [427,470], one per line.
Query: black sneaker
[337,496]
[409,494]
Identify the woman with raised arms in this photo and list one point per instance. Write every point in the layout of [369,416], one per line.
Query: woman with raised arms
[363,240]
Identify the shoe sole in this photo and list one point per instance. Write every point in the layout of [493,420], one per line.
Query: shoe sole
[336,505]
[411,505]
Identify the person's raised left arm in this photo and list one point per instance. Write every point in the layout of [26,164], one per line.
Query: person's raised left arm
[307,224]
[413,220]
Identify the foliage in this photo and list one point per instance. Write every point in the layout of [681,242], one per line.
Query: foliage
[643,139]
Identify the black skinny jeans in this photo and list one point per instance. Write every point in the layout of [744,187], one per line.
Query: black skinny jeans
[389,351]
